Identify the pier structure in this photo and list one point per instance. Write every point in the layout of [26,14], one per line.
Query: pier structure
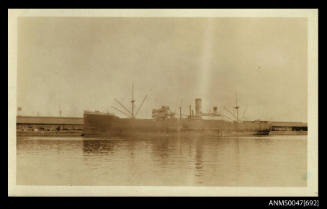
[73,126]
[288,128]
[48,126]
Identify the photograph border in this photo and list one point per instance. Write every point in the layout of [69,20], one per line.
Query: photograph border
[312,113]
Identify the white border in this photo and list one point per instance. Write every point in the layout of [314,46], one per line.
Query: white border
[312,186]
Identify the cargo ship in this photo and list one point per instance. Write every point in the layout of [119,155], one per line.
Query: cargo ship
[165,123]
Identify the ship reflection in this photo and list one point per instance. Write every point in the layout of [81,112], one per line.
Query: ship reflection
[177,152]
[98,146]
[105,147]
[161,151]
[198,161]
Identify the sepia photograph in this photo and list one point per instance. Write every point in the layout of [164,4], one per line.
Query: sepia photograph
[163,102]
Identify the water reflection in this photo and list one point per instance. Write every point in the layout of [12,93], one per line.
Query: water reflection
[198,160]
[98,146]
[160,151]
[163,161]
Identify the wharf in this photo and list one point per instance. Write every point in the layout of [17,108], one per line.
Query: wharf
[73,126]
[49,126]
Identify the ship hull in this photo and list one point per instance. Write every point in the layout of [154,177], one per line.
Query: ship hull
[109,126]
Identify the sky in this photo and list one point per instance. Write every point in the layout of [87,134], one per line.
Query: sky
[76,64]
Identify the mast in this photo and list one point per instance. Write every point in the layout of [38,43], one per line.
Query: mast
[130,114]
[132,101]
[236,107]
[180,113]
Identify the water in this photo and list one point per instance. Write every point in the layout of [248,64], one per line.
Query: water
[243,161]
